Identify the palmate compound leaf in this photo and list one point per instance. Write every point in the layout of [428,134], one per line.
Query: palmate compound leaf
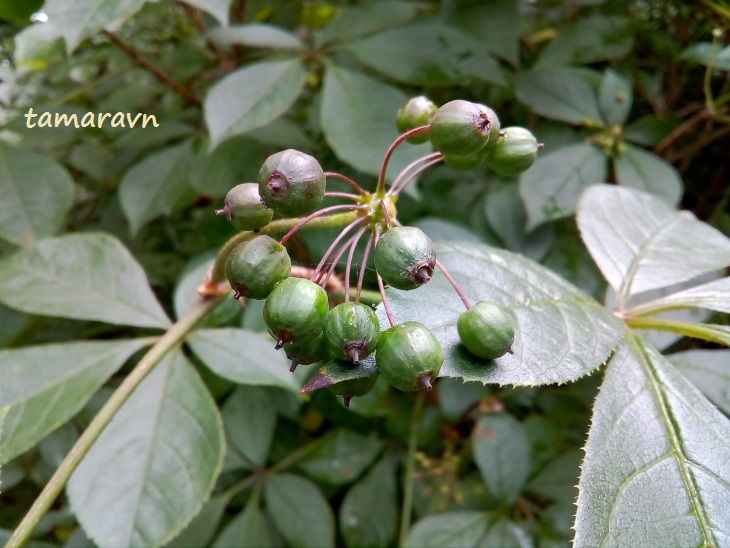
[641,243]
[561,333]
[44,386]
[155,464]
[656,470]
[87,276]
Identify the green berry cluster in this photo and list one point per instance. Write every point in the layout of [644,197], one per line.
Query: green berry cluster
[298,311]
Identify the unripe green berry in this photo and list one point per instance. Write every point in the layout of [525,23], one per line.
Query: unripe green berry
[417,112]
[405,257]
[292,183]
[486,330]
[460,128]
[409,357]
[255,266]
[353,388]
[295,310]
[245,209]
[514,152]
[352,331]
[307,351]
[465,163]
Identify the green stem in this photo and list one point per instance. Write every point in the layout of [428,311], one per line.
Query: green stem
[705,332]
[154,355]
[281,226]
[405,521]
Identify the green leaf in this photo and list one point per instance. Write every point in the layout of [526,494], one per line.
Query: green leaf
[356,22]
[640,243]
[656,469]
[502,452]
[590,39]
[37,193]
[340,457]
[441,230]
[714,295]
[200,531]
[358,120]
[44,386]
[550,189]
[299,511]
[506,533]
[499,20]
[243,357]
[615,98]
[369,512]
[37,46]
[561,333]
[87,276]
[155,464]
[216,172]
[252,97]
[335,372]
[429,54]
[257,35]
[249,529]
[703,331]
[708,370]
[79,19]
[450,530]
[559,93]
[557,481]
[217,8]
[707,53]
[642,170]
[249,417]
[156,185]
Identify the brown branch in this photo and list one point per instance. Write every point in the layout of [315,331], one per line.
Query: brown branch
[162,76]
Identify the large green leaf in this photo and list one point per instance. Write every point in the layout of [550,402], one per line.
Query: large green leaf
[340,457]
[561,333]
[37,193]
[641,243]
[88,276]
[200,531]
[429,54]
[257,35]
[243,357]
[709,54]
[502,452]
[249,418]
[236,160]
[559,93]
[496,23]
[155,464]
[299,511]
[44,386]
[369,512]
[467,528]
[79,19]
[156,185]
[656,469]
[249,529]
[358,21]
[37,46]
[714,295]
[615,98]
[252,97]
[637,168]
[708,370]
[217,8]
[551,187]
[358,120]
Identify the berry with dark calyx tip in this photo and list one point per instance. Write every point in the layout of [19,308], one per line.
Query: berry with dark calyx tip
[460,128]
[255,266]
[409,357]
[417,112]
[486,330]
[295,310]
[305,352]
[292,183]
[353,388]
[514,152]
[405,257]
[245,209]
[352,331]
[496,126]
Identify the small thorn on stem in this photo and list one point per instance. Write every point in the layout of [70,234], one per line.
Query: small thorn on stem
[346,400]
[294,365]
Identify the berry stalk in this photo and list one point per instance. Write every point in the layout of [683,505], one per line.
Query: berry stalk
[380,188]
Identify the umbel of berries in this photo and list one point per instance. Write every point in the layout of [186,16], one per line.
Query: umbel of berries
[417,112]
[409,357]
[486,330]
[405,257]
[255,266]
[514,152]
[461,128]
[352,331]
[292,183]
[295,310]
[245,209]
